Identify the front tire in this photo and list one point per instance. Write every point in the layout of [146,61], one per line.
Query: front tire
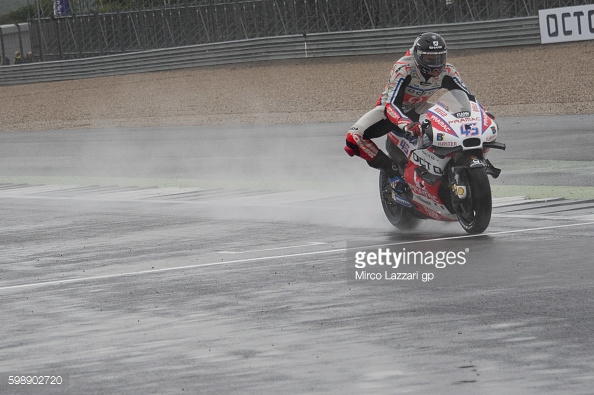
[400,216]
[474,212]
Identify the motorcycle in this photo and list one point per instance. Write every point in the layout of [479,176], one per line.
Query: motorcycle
[445,170]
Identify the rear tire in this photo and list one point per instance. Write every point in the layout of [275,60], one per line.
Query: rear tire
[474,212]
[400,216]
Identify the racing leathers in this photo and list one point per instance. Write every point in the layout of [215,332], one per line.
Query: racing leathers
[403,102]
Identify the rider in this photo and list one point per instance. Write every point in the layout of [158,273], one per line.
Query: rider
[413,80]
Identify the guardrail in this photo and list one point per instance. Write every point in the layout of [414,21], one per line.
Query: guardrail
[516,31]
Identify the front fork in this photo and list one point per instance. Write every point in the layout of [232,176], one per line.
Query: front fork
[458,187]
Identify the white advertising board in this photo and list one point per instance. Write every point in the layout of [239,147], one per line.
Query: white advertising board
[566,24]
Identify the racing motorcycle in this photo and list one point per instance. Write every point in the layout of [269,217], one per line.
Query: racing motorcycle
[445,170]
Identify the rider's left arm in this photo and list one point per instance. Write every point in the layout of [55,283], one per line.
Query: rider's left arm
[452,80]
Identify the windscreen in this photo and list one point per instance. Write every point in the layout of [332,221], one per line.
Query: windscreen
[455,102]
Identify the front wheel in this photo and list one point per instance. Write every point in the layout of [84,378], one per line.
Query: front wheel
[400,216]
[474,211]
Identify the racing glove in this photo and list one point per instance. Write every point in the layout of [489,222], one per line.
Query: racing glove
[414,128]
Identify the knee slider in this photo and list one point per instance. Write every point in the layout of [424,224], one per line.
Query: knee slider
[351,147]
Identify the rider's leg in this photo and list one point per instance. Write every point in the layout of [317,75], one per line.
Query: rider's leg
[358,143]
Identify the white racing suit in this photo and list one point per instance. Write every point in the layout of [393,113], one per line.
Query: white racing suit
[404,101]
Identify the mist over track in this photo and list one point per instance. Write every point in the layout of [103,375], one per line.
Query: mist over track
[213,260]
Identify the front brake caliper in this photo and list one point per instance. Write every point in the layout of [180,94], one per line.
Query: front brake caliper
[458,190]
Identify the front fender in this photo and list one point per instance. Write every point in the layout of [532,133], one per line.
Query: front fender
[471,161]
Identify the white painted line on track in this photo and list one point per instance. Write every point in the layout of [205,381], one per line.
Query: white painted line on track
[268,258]
[310,244]
[589,217]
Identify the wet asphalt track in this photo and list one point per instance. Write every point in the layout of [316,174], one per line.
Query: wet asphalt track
[237,283]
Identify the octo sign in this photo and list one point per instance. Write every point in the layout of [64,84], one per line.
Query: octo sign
[566,24]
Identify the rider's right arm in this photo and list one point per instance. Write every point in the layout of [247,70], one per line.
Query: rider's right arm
[399,80]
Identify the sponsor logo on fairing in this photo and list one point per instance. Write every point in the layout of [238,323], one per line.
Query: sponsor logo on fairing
[422,192]
[404,147]
[465,120]
[432,213]
[447,144]
[401,200]
[437,121]
[425,162]
[424,201]
[493,134]
[486,122]
[441,112]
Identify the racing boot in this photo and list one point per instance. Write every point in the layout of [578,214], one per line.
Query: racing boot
[390,168]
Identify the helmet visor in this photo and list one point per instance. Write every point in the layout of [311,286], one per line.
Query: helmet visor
[433,59]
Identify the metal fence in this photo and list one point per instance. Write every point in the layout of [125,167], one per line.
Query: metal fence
[13,38]
[516,31]
[105,27]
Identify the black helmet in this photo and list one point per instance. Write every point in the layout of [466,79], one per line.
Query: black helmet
[430,53]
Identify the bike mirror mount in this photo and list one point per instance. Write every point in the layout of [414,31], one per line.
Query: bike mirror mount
[427,137]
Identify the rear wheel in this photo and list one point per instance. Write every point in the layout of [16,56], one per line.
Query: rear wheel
[474,211]
[400,216]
